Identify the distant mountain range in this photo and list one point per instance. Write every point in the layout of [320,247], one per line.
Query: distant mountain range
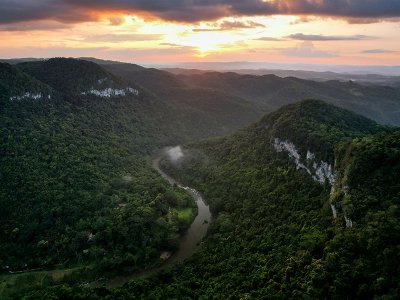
[367,79]
[311,71]
[263,93]
[229,66]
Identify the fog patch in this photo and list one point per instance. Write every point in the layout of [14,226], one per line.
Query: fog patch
[175,153]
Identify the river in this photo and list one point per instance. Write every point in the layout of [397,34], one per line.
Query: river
[189,242]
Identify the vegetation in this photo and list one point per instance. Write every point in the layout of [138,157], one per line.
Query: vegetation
[274,234]
[275,221]
[194,106]
[77,190]
[267,93]
[271,92]
[13,83]
[75,183]
[71,76]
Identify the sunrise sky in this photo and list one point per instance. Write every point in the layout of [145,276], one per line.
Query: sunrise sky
[165,31]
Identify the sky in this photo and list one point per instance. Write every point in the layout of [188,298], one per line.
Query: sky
[353,32]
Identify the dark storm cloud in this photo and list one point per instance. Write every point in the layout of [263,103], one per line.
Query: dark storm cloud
[320,37]
[12,11]
[194,10]
[33,26]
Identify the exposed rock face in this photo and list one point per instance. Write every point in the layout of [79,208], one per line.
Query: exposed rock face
[334,211]
[349,223]
[320,171]
[324,172]
[30,95]
[110,92]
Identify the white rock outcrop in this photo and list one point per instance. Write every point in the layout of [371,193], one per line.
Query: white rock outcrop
[310,155]
[320,171]
[334,211]
[29,95]
[110,92]
[324,172]
[349,222]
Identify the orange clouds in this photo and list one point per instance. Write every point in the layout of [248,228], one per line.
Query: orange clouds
[135,30]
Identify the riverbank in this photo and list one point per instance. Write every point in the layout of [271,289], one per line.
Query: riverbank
[189,242]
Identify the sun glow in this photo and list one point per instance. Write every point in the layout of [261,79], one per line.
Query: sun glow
[129,37]
[206,38]
[202,42]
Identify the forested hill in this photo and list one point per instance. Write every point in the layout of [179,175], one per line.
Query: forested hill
[183,114]
[305,200]
[316,126]
[16,85]
[78,77]
[307,206]
[293,218]
[272,92]
[267,93]
[76,185]
[220,110]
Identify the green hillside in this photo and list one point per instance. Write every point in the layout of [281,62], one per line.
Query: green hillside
[305,201]
[16,86]
[275,220]
[75,183]
[288,224]
[266,93]
[211,112]
[71,76]
[272,92]
[76,187]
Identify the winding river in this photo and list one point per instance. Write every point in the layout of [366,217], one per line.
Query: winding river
[189,242]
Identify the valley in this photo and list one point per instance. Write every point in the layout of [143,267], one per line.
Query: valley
[199,150]
[303,194]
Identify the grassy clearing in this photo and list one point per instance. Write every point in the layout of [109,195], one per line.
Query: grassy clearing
[185,214]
